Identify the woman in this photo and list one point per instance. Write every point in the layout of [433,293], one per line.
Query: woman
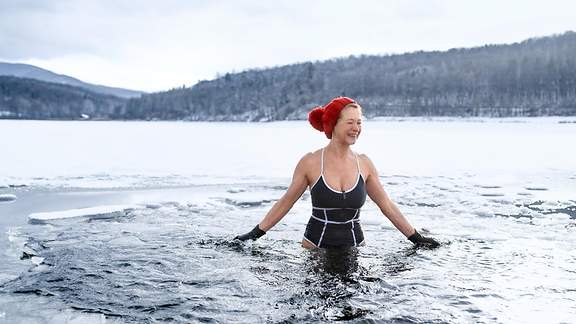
[339,180]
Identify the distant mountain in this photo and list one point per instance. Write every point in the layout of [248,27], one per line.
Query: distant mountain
[535,77]
[33,72]
[22,98]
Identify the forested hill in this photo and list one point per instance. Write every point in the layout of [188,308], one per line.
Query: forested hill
[22,98]
[536,77]
[34,72]
[532,78]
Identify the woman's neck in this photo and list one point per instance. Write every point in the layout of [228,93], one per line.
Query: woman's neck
[338,149]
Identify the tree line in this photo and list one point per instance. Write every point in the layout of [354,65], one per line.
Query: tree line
[536,77]
[22,98]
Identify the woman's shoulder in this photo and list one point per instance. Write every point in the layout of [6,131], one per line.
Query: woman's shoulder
[311,157]
[363,157]
[365,161]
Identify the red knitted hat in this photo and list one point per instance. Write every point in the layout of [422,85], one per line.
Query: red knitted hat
[324,118]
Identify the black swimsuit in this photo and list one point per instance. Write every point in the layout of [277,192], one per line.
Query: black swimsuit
[335,215]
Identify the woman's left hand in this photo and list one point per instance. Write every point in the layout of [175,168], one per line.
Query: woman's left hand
[423,241]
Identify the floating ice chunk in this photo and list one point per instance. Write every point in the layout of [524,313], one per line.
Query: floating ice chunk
[236,190]
[153,205]
[247,202]
[37,260]
[536,188]
[7,197]
[483,212]
[41,268]
[99,212]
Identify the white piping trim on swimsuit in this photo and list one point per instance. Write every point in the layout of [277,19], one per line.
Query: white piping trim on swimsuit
[347,191]
[334,222]
[316,246]
[321,168]
[326,183]
[352,229]
[322,162]
[320,208]
[315,182]
[323,229]
[307,239]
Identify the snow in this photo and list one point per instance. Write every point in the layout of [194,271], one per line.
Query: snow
[92,154]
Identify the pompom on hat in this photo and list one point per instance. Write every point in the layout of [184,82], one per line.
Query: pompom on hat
[324,118]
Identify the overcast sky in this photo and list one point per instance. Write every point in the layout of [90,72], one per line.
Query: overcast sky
[155,45]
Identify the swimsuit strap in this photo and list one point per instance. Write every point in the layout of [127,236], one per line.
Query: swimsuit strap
[357,162]
[322,163]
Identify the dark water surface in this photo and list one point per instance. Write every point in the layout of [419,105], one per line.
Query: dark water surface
[507,257]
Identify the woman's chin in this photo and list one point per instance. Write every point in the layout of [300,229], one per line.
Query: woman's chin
[350,140]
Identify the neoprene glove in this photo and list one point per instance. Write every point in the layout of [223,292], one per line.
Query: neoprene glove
[253,235]
[420,240]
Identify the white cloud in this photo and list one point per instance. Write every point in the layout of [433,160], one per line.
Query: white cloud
[152,45]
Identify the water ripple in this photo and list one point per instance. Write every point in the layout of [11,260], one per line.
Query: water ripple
[177,262]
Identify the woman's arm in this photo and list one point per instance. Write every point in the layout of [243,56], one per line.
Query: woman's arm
[281,207]
[292,194]
[380,197]
[389,209]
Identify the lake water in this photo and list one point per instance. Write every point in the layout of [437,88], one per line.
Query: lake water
[499,193]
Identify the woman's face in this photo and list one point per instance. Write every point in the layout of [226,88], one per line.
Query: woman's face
[349,125]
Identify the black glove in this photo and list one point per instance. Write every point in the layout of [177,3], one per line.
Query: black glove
[420,240]
[253,235]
